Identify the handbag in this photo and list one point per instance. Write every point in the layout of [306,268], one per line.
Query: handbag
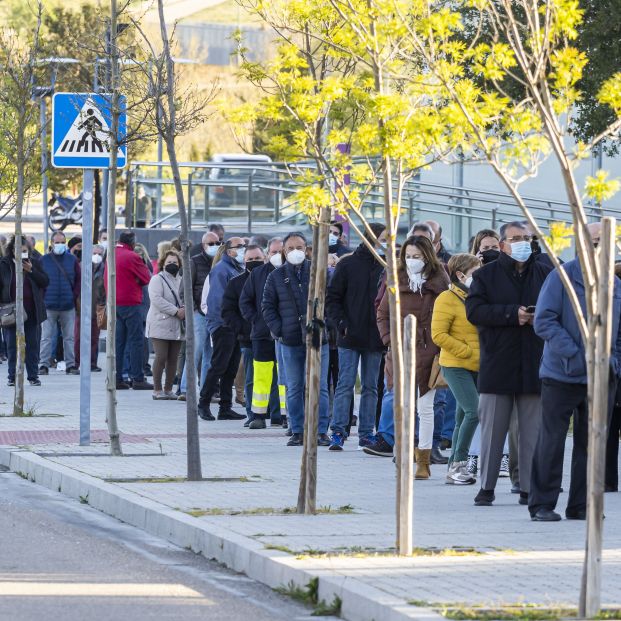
[8,315]
[436,379]
[102,316]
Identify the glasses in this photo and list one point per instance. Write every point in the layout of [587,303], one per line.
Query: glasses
[520,238]
[218,243]
[237,247]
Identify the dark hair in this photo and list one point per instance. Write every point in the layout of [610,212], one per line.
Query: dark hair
[10,247]
[338,225]
[127,237]
[513,225]
[421,226]
[259,240]
[288,236]
[378,228]
[218,229]
[432,264]
[255,247]
[74,241]
[165,255]
[480,236]
[58,233]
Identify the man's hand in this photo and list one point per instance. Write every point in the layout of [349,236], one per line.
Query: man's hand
[525,318]
[181,313]
[27,265]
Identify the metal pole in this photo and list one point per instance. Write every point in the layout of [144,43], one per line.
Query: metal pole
[86,309]
[250,202]
[46,215]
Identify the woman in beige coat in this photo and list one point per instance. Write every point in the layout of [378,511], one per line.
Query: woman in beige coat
[165,322]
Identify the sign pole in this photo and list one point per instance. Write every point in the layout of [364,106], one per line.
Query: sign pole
[86,309]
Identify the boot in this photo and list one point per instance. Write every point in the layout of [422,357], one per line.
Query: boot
[423,456]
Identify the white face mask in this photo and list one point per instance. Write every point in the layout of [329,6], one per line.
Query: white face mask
[211,251]
[96,259]
[468,282]
[60,248]
[104,244]
[239,257]
[296,257]
[276,259]
[414,266]
[25,255]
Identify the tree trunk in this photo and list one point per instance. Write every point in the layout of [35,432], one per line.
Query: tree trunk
[598,361]
[113,429]
[20,339]
[193,440]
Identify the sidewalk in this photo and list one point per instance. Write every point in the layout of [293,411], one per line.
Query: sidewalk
[240,513]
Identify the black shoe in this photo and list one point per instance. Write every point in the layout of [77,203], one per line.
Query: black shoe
[545,515]
[247,423]
[285,424]
[141,385]
[10,382]
[576,515]
[484,498]
[296,439]
[205,413]
[611,488]
[229,414]
[43,370]
[257,423]
[515,489]
[380,447]
[95,369]
[73,371]
[34,382]
[445,444]
[523,500]
[354,421]
[148,373]
[437,457]
[323,439]
[289,432]
[122,385]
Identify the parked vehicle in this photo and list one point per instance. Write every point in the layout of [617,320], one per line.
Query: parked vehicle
[67,211]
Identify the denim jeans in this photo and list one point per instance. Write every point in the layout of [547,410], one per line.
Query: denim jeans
[31,333]
[246,353]
[294,361]
[348,369]
[443,415]
[130,335]
[66,318]
[424,410]
[463,385]
[202,351]
[387,420]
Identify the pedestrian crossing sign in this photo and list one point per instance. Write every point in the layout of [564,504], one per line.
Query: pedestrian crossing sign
[81,130]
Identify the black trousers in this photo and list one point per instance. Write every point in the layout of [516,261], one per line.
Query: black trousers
[612,446]
[559,401]
[225,358]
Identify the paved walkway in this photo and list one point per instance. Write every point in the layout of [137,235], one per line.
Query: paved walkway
[253,480]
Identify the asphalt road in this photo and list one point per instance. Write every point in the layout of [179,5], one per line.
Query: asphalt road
[62,560]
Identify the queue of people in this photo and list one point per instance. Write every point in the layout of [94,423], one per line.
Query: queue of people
[499,358]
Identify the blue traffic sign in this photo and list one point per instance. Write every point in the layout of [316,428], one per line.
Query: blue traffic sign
[81,130]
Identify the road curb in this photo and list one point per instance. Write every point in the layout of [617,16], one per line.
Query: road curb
[242,554]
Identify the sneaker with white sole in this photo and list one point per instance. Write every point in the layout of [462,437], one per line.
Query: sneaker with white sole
[457,474]
[504,466]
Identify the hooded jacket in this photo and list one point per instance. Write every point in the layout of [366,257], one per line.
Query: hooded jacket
[250,302]
[219,277]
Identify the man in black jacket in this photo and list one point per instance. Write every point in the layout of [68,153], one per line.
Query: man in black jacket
[232,316]
[266,387]
[501,304]
[350,305]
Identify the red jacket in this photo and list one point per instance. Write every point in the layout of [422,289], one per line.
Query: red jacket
[131,275]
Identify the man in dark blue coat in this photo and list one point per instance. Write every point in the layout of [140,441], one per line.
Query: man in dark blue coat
[63,270]
[563,372]
[501,303]
[284,310]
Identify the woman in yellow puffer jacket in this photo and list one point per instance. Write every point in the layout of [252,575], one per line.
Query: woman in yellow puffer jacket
[458,341]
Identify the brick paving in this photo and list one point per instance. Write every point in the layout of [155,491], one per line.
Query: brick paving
[253,477]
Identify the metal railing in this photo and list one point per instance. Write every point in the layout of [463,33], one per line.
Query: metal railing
[261,198]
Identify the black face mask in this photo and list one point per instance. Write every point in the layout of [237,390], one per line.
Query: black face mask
[534,246]
[78,255]
[252,265]
[489,256]
[172,269]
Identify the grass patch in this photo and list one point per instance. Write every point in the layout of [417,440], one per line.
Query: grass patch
[269,546]
[179,480]
[455,551]
[196,512]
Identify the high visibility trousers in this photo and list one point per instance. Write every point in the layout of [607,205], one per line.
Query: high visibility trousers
[263,376]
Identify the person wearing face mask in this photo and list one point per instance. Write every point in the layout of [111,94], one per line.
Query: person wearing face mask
[335,240]
[350,308]
[254,258]
[501,305]
[486,246]
[458,341]
[226,354]
[98,298]
[165,323]
[422,278]
[200,264]
[63,271]
[74,245]
[284,305]
[268,393]
[35,282]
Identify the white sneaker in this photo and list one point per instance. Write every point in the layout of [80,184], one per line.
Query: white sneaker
[504,466]
[473,464]
[457,474]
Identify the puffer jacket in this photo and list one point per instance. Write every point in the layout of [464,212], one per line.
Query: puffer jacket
[200,265]
[38,281]
[451,331]
[250,302]
[420,304]
[162,320]
[64,273]
[284,303]
[231,314]
[219,277]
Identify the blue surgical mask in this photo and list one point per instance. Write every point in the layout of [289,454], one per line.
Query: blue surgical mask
[239,257]
[211,251]
[521,251]
[60,248]
[332,240]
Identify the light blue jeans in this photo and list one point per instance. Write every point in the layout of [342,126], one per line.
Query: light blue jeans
[387,419]
[348,369]
[294,361]
[202,350]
